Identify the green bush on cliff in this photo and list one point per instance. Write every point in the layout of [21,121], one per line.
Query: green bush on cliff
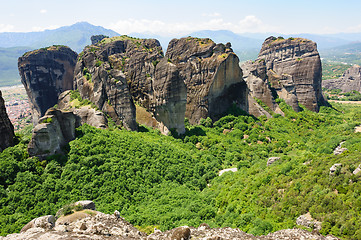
[156,180]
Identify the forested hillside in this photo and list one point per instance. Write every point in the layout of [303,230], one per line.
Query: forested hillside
[169,181]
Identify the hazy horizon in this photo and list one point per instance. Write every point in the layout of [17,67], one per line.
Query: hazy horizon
[167,18]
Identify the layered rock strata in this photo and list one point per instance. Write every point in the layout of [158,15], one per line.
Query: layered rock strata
[349,81]
[6,127]
[196,79]
[291,68]
[45,73]
[211,74]
[116,72]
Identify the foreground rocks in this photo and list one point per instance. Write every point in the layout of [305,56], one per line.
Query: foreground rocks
[290,68]
[6,127]
[45,73]
[91,224]
[349,81]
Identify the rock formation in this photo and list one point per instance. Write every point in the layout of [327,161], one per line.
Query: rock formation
[6,127]
[97,38]
[211,74]
[57,127]
[53,131]
[291,68]
[91,224]
[46,73]
[349,81]
[116,71]
[196,79]
[307,221]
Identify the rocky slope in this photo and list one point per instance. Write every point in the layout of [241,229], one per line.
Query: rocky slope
[45,73]
[84,222]
[292,69]
[349,81]
[6,127]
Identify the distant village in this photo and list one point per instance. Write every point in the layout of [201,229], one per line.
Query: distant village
[17,106]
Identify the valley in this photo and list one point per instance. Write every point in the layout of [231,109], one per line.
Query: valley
[182,137]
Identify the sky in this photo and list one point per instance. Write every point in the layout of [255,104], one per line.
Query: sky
[169,17]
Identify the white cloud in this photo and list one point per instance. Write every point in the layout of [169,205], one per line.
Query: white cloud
[43,11]
[353,29]
[6,27]
[39,29]
[248,24]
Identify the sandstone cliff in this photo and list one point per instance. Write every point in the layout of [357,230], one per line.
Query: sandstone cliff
[211,74]
[57,127]
[45,74]
[196,79]
[6,127]
[116,72]
[292,69]
[349,81]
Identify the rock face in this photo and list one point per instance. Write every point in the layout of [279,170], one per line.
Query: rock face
[6,127]
[53,131]
[211,74]
[116,72]
[57,127]
[45,74]
[196,79]
[290,68]
[349,81]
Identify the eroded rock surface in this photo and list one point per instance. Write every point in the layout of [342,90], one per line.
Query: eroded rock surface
[289,68]
[349,81]
[211,74]
[45,73]
[116,72]
[53,131]
[6,127]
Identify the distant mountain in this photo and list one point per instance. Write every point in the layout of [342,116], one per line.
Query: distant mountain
[349,53]
[13,45]
[76,36]
[9,65]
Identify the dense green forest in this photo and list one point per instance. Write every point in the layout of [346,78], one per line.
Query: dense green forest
[169,181]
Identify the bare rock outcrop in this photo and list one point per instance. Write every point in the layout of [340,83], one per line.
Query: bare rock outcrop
[349,81]
[90,224]
[290,68]
[53,131]
[6,127]
[45,73]
[116,72]
[307,221]
[86,114]
[227,233]
[211,74]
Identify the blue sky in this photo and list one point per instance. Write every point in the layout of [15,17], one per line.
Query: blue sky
[178,17]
